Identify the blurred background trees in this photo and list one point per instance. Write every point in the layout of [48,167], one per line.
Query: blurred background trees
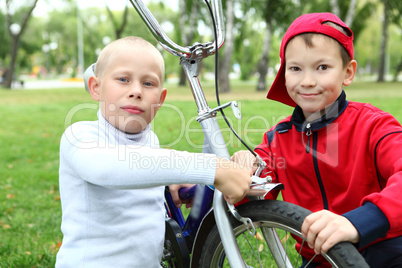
[64,40]
[17,17]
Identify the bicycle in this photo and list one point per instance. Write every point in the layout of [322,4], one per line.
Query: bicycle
[210,235]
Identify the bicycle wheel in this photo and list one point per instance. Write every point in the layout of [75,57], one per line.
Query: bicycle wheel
[277,223]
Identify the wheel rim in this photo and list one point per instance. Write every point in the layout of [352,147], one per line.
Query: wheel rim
[250,247]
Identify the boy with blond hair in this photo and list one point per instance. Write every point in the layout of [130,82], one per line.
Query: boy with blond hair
[340,159]
[111,177]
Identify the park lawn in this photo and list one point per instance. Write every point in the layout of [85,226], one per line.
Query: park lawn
[34,120]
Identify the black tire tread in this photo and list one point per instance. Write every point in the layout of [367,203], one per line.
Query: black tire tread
[345,254]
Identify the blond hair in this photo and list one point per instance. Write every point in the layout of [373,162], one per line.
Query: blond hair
[107,53]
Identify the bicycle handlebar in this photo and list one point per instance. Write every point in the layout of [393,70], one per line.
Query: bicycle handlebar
[172,47]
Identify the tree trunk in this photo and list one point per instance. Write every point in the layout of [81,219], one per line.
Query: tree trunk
[15,40]
[118,29]
[262,68]
[226,60]
[187,33]
[182,78]
[351,13]
[10,72]
[381,70]
[335,7]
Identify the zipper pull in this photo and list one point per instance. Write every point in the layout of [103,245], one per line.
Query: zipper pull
[308,133]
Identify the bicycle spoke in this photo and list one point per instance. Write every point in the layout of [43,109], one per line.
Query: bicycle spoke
[258,250]
[310,260]
[299,253]
[257,255]
[286,247]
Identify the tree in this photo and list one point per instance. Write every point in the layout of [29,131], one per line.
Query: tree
[350,11]
[384,41]
[263,64]
[226,60]
[118,28]
[4,36]
[15,31]
[61,28]
[391,14]
[247,43]
[278,13]
[188,15]
[395,15]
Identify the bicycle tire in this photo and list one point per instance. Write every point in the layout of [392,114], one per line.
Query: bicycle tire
[284,217]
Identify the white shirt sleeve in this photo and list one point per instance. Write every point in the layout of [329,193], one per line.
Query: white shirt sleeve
[132,166]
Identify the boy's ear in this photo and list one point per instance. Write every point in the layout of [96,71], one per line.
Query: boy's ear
[93,87]
[350,73]
[162,97]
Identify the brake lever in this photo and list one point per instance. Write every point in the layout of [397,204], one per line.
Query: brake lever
[261,165]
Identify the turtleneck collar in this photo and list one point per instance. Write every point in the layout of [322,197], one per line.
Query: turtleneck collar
[117,133]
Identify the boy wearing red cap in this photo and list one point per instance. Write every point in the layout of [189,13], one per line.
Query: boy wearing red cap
[338,158]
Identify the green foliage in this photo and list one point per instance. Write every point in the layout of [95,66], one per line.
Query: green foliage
[5,39]
[395,12]
[363,14]
[60,26]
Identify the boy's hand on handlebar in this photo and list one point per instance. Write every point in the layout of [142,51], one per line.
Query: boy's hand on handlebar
[232,179]
[174,192]
[246,159]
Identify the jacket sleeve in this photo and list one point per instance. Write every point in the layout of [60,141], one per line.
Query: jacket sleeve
[380,214]
[388,155]
[370,222]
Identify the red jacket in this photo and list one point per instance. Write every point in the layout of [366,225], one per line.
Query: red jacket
[349,162]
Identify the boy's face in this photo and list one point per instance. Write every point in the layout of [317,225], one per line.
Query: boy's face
[315,75]
[130,91]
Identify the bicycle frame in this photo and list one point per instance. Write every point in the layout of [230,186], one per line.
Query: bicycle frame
[190,57]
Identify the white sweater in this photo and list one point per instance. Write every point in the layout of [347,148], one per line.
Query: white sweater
[111,189]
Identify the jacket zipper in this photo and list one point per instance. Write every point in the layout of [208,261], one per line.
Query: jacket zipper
[317,170]
[315,162]
[308,134]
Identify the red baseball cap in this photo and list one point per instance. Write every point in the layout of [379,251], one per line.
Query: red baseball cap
[308,23]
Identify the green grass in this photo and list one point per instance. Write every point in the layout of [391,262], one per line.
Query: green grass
[32,122]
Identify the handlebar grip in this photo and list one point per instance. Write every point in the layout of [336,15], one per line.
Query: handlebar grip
[187,193]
